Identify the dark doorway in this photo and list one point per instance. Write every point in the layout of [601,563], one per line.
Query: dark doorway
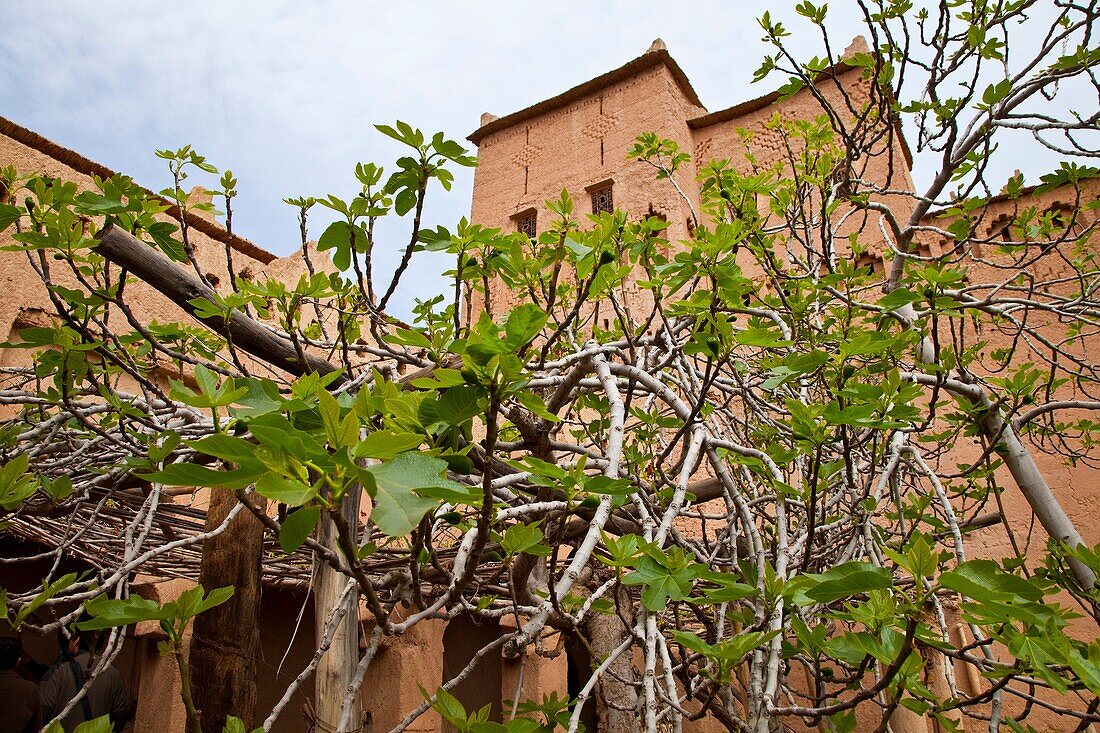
[463,639]
[23,575]
[580,671]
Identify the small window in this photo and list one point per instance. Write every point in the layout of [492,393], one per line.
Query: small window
[922,249]
[527,222]
[871,262]
[602,199]
[1000,229]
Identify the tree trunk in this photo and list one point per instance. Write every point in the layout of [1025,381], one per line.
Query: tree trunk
[225,642]
[616,701]
[337,667]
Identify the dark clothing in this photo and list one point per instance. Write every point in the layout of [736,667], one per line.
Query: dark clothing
[19,704]
[31,670]
[106,696]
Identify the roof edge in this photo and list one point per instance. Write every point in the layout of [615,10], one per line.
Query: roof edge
[89,167]
[1025,191]
[654,57]
[752,105]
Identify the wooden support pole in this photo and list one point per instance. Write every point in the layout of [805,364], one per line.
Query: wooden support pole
[336,668]
[225,644]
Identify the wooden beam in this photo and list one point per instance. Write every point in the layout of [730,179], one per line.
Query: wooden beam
[181,287]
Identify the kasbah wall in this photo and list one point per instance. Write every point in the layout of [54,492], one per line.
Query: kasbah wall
[418,660]
[576,141]
[579,141]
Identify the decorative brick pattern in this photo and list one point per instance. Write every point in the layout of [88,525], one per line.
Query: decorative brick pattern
[766,141]
[598,128]
[526,156]
[702,151]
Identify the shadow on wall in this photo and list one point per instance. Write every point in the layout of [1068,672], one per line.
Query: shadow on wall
[580,671]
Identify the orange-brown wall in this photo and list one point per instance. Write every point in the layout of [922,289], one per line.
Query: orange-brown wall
[560,150]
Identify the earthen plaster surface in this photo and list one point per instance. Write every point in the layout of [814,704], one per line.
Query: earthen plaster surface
[574,141]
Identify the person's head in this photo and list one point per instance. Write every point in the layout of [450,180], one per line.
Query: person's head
[74,641]
[11,649]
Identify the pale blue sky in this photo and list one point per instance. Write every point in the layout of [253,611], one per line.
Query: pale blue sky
[285,93]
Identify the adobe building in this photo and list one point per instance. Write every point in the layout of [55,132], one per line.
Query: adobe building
[152,681]
[430,653]
[577,140]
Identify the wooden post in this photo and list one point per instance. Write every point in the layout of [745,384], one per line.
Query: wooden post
[225,642]
[337,667]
